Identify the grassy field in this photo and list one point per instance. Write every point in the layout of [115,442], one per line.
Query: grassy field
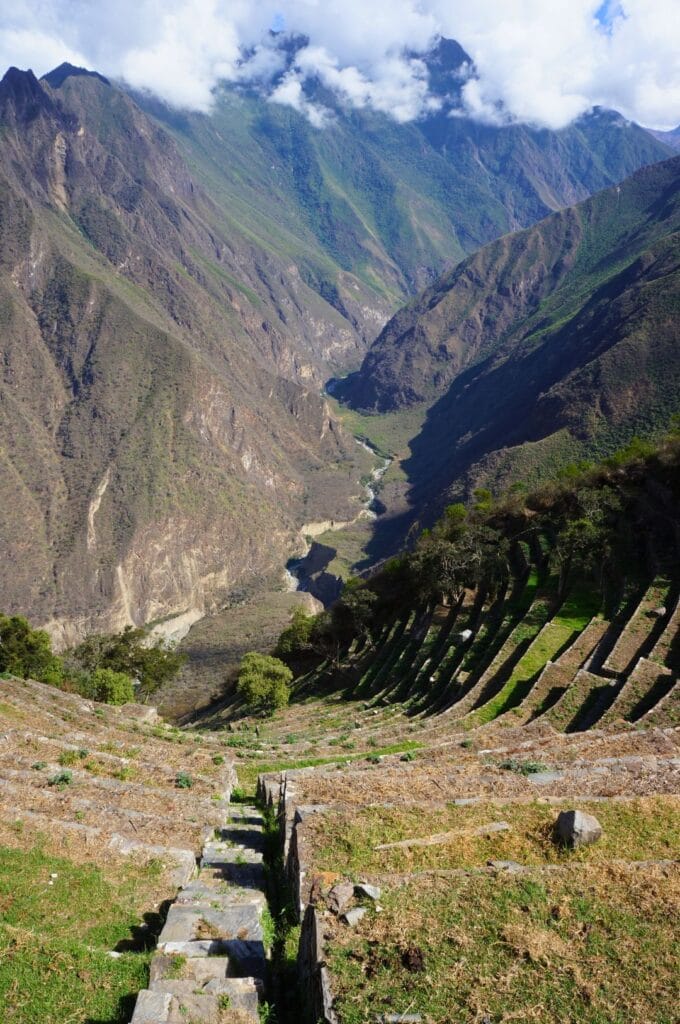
[58,921]
[591,945]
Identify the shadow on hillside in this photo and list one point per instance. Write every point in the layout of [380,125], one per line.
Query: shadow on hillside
[143,936]
[124,1011]
[501,403]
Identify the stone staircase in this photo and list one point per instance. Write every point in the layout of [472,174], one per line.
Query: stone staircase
[211,959]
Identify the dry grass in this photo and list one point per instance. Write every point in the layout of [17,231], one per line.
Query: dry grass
[644,829]
[593,945]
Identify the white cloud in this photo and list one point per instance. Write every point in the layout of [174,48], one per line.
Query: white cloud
[540,61]
[290,93]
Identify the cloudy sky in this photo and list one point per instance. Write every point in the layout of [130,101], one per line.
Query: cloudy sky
[540,61]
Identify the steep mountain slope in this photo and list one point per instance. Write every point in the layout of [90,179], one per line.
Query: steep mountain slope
[391,204]
[160,442]
[180,291]
[548,344]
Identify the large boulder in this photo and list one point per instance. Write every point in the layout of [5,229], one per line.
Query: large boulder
[575,828]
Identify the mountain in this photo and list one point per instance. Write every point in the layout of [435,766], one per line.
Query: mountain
[392,204]
[160,438]
[174,290]
[671,138]
[548,345]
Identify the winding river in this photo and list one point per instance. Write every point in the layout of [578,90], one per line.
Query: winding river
[307,573]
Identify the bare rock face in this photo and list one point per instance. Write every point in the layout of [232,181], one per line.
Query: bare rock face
[575,828]
[168,455]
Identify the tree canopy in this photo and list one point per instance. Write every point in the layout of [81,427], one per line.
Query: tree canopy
[263,683]
[133,653]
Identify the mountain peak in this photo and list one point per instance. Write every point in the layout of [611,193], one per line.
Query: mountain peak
[58,76]
[22,91]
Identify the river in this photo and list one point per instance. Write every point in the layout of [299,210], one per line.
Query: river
[307,573]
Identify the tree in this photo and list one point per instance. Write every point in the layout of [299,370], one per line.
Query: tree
[263,683]
[296,637]
[132,653]
[444,568]
[585,541]
[27,652]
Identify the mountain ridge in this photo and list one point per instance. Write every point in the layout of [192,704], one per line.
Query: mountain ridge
[550,345]
[182,286]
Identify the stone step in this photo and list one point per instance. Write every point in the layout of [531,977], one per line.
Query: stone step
[243,993]
[187,923]
[200,1007]
[207,889]
[246,958]
[210,971]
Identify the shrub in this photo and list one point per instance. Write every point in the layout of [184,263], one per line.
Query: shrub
[111,687]
[69,757]
[183,780]
[61,779]
[130,653]
[296,637]
[264,683]
[513,764]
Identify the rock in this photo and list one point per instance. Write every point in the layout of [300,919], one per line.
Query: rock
[364,889]
[340,897]
[574,829]
[511,867]
[353,916]
[399,1018]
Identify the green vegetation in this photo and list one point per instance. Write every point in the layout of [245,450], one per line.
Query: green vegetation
[281,928]
[101,667]
[573,616]
[130,653]
[58,920]
[27,652]
[297,637]
[263,683]
[248,771]
[62,779]
[541,565]
[112,687]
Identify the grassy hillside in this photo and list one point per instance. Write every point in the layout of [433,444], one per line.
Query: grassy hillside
[372,210]
[550,345]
